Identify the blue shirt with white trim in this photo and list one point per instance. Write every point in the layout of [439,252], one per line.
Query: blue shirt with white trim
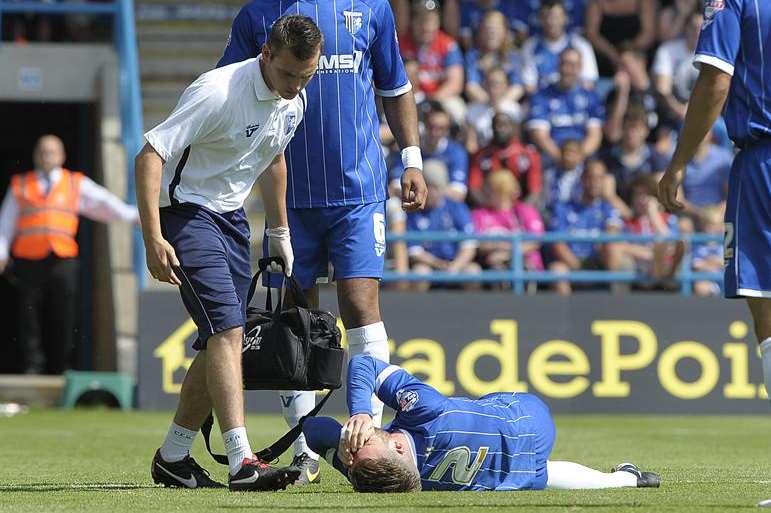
[736,38]
[566,114]
[459,443]
[335,158]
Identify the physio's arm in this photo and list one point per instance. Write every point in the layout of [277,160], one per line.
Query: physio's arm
[323,437]
[704,107]
[161,257]
[272,185]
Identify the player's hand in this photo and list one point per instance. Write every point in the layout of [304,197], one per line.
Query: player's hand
[357,431]
[414,190]
[668,187]
[161,260]
[280,245]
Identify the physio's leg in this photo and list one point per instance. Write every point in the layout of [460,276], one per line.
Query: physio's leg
[360,310]
[223,378]
[761,316]
[567,475]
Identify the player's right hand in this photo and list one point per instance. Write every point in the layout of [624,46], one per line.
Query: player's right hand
[357,431]
[161,260]
[668,188]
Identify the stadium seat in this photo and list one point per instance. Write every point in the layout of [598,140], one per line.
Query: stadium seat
[78,383]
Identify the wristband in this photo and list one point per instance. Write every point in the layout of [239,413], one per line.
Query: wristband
[411,157]
[281,232]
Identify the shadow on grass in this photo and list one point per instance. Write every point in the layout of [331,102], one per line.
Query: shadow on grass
[73,487]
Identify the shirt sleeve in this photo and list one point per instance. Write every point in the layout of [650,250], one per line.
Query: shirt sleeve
[323,437]
[196,115]
[459,169]
[662,62]
[414,401]
[242,43]
[389,75]
[589,70]
[454,57]
[612,217]
[539,113]
[720,36]
[473,76]
[9,215]
[99,204]
[596,110]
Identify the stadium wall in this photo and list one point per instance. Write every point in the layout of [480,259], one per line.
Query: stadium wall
[590,353]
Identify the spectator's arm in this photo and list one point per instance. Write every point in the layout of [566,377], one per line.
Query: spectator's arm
[452,85]
[99,204]
[647,34]
[541,136]
[418,255]
[592,141]
[565,255]
[593,22]
[476,182]
[664,89]
[476,93]
[609,193]
[618,107]
[534,178]
[451,18]
[465,256]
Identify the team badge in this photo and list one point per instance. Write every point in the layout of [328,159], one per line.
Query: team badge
[407,399]
[711,8]
[251,129]
[352,21]
[291,120]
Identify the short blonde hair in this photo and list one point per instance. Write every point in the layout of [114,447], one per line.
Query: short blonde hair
[502,181]
[384,475]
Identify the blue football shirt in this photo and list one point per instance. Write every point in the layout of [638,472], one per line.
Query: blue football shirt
[335,158]
[579,218]
[566,114]
[736,38]
[450,216]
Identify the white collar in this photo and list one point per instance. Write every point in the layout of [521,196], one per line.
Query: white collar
[411,442]
[53,176]
[261,88]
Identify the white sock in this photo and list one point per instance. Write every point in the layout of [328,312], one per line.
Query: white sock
[178,443]
[237,447]
[765,355]
[294,405]
[372,340]
[567,475]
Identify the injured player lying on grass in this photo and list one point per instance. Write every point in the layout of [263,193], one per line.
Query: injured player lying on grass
[499,442]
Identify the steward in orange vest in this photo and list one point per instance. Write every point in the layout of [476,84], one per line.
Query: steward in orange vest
[47,223]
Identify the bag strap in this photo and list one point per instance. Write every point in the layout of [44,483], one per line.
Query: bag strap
[291,283]
[274,450]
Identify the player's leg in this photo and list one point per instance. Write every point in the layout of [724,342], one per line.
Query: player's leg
[567,475]
[309,247]
[761,316]
[357,252]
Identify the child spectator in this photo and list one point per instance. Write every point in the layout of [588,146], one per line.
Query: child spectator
[566,110]
[494,49]
[479,115]
[591,215]
[658,260]
[505,151]
[541,53]
[439,58]
[708,256]
[445,215]
[562,183]
[505,213]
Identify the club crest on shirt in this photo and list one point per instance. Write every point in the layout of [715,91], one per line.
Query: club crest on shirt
[249,130]
[711,8]
[291,120]
[352,21]
[407,399]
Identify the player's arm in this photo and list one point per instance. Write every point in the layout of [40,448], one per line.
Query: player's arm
[716,55]
[393,86]
[415,402]
[272,185]
[323,436]
[242,43]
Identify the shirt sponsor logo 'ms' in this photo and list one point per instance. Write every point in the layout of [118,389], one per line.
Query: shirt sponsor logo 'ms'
[344,62]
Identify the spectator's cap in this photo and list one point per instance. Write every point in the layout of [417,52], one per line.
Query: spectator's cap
[423,6]
[435,173]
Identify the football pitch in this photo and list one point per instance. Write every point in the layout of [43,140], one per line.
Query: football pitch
[99,460]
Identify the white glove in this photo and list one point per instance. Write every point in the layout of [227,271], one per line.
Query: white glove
[280,245]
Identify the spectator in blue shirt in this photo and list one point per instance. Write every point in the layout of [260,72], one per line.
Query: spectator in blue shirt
[562,182]
[437,144]
[541,53]
[566,110]
[525,15]
[706,178]
[494,49]
[473,11]
[591,215]
[444,215]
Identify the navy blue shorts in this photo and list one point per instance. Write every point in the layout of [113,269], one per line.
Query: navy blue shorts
[748,224]
[351,238]
[213,251]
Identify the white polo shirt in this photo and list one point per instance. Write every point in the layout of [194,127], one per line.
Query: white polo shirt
[225,131]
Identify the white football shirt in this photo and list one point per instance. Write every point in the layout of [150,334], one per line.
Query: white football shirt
[225,131]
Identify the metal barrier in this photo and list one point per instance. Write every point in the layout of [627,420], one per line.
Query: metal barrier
[518,276]
[125,42]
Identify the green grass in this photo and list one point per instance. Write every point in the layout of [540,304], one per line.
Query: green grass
[98,460]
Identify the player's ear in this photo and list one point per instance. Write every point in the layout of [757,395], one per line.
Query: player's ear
[399,447]
[266,55]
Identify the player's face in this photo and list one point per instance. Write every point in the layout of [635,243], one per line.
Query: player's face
[382,445]
[288,74]
[49,154]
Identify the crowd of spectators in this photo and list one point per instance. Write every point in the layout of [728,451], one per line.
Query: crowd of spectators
[31,27]
[555,115]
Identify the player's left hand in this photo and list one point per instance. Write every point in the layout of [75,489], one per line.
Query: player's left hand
[280,245]
[357,431]
[668,188]
[414,190]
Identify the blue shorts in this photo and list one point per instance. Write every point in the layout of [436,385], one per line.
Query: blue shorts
[213,251]
[748,224]
[351,238]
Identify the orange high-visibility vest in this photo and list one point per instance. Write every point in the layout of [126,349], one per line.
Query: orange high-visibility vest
[47,224]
